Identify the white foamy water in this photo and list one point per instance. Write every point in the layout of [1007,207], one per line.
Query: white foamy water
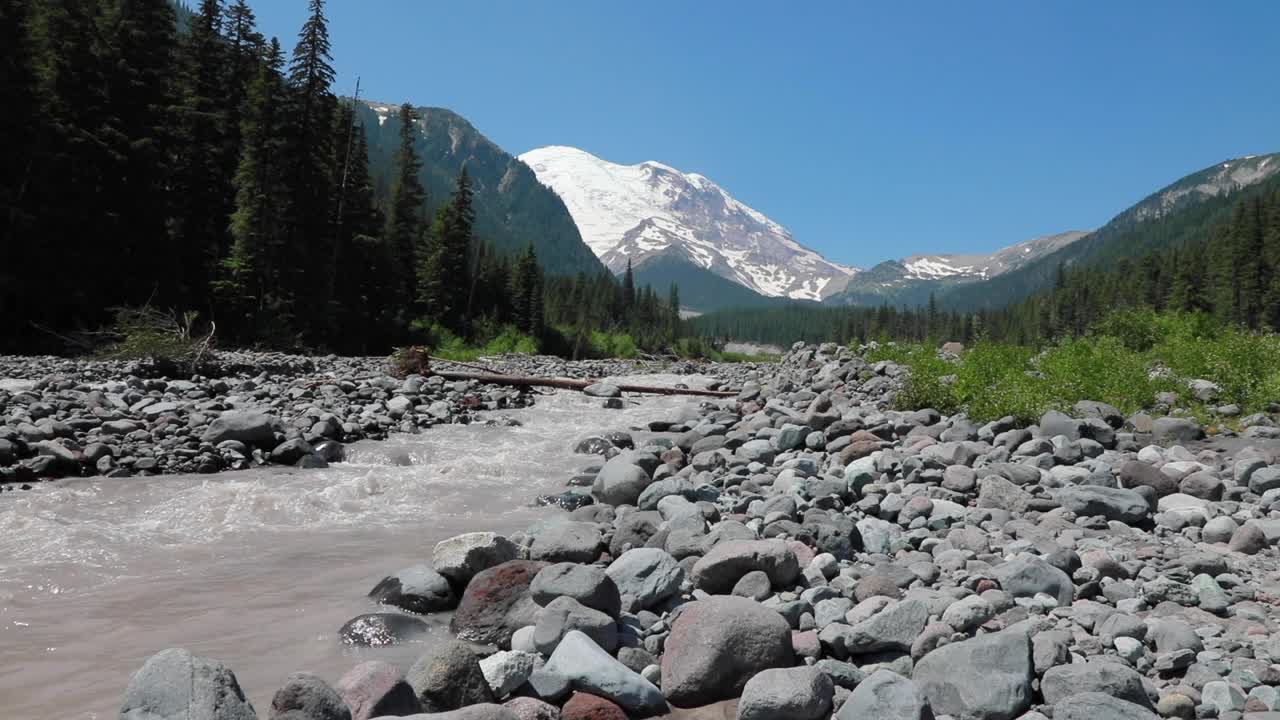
[259,568]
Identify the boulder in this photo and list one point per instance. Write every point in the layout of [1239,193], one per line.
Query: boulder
[497,603]
[620,481]
[1101,676]
[176,685]
[721,568]
[251,428]
[798,693]
[650,575]
[717,644]
[987,677]
[587,584]
[507,670]
[1123,505]
[585,706]
[1171,430]
[576,542]
[563,615]
[1135,473]
[893,628]
[886,695]
[381,629]
[307,697]
[419,589]
[374,689]
[447,677]
[1025,576]
[461,557]
[584,666]
[1099,706]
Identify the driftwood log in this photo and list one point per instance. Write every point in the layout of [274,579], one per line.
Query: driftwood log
[571,384]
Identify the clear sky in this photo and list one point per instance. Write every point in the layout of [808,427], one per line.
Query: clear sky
[871,130]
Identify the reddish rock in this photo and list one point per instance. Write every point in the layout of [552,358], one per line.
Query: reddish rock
[858,449]
[804,553]
[527,708]
[496,603]
[374,689]
[805,644]
[584,706]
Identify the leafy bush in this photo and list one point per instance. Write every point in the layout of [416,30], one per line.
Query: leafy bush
[169,342]
[406,361]
[1128,358]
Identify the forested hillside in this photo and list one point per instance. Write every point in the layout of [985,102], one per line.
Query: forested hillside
[1176,214]
[512,207]
[1220,257]
[216,179]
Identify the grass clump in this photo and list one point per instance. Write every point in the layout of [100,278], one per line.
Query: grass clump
[1125,360]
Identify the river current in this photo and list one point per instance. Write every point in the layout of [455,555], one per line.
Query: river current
[260,568]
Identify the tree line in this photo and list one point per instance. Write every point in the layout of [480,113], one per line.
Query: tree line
[1221,259]
[207,170]
[1230,270]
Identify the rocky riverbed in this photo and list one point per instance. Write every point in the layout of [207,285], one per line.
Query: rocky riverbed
[800,551]
[70,418]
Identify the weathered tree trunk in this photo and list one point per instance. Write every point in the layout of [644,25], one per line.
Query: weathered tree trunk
[572,384]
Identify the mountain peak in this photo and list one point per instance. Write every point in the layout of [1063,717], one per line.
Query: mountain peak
[635,212]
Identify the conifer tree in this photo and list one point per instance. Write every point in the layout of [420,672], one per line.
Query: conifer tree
[406,222]
[202,189]
[252,271]
[309,156]
[444,284]
[138,41]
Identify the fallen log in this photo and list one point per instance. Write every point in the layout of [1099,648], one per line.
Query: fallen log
[572,384]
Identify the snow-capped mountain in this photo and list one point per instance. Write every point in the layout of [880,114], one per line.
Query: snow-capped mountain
[637,212]
[912,279]
[1217,180]
[981,267]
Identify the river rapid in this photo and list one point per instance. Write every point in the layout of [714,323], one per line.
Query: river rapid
[260,568]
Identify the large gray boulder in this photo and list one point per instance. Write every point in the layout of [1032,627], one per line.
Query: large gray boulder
[254,429]
[588,584]
[1101,706]
[650,575]
[461,557]
[1025,576]
[1107,677]
[1123,505]
[176,685]
[620,481]
[717,644]
[984,678]
[588,668]
[447,677]
[1176,430]
[886,695]
[894,628]
[798,693]
[307,697]
[577,542]
[563,615]
[721,568]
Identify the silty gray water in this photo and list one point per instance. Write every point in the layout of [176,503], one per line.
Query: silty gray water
[259,568]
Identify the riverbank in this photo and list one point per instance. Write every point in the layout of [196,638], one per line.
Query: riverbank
[803,551]
[74,418]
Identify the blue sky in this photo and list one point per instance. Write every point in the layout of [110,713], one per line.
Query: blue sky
[871,130]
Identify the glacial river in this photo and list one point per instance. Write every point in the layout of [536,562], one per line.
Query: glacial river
[259,568]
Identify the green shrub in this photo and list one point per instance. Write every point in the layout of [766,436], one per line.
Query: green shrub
[1125,361]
